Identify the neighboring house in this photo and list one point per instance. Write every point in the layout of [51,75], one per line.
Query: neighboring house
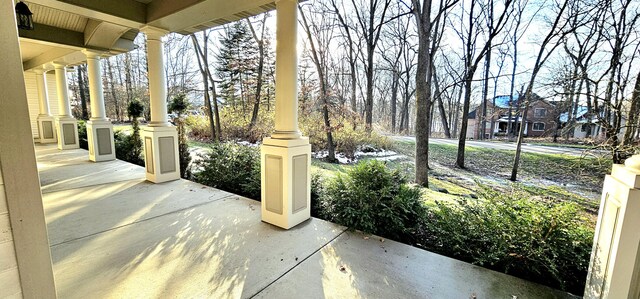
[540,122]
[579,127]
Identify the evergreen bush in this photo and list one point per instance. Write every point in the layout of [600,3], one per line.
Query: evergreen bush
[515,234]
[82,135]
[179,105]
[230,167]
[129,147]
[376,200]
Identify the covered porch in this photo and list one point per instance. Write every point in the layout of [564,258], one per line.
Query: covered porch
[115,235]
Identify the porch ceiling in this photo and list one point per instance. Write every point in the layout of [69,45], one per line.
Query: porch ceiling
[111,26]
[185,16]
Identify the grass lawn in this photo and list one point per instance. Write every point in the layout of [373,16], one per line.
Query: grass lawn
[546,176]
[123,127]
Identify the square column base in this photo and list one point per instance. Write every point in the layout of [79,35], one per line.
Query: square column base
[100,139]
[46,129]
[67,131]
[286,181]
[161,154]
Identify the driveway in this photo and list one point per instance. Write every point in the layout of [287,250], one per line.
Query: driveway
[528,148]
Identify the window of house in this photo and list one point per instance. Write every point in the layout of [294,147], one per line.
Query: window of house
[540,112]
[538,126]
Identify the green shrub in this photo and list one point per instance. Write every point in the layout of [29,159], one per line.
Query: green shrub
[231,167]
[128,147]
[539,241]
[179,105]
[318,196]
[82,135]
[374,199]
[198,127]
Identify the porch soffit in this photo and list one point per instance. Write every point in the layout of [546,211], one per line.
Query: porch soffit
[184,16]
[111,26]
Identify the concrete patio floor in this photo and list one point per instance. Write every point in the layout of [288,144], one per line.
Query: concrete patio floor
[114,235]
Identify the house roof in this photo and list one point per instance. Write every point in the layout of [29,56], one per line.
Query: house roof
[472,114]
[582,110]
[503,101]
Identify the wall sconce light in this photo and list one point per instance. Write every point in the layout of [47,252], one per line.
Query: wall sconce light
[24,16]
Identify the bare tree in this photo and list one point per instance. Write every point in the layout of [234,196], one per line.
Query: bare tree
[319,28]
[203,64]
[558,30]
[260,40]
[370,18]
[427,47]
[472,60]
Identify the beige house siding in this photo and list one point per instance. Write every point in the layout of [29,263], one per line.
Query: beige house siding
[9,277]
[32,97]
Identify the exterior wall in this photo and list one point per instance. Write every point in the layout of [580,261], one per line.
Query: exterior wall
[9,276]
[32,98]
[578,133]
[547,119]
[472,129]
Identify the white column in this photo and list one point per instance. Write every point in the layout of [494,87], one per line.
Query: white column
[160,138]
[66,125]
[157,80]
[23,229]
[99,128]
[96,94]
[286,114]
[614,270]
[286,156]
[64,106]
[46,122]
[43,93]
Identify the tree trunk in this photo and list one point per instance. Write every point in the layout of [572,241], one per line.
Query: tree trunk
[202,58]
[256,104]
[394,100]
[443,113]
[82,88]
[462,138]
[116,104]
[423,91]
[633,116]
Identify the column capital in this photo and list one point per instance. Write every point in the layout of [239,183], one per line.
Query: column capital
[38,71]
[279,1]
[92,54]
[59,65]
[154,33]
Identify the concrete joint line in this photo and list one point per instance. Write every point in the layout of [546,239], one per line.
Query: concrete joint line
[299,262]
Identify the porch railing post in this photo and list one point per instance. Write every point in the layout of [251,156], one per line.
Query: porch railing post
[614,269]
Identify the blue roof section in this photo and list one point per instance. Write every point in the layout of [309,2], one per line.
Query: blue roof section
[502,101]
[582,110]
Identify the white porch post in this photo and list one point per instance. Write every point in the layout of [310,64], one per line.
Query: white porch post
[614,271]
[160,138]
[25,258]
[286,155]
[46,122]
[66,125]
[99,128]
